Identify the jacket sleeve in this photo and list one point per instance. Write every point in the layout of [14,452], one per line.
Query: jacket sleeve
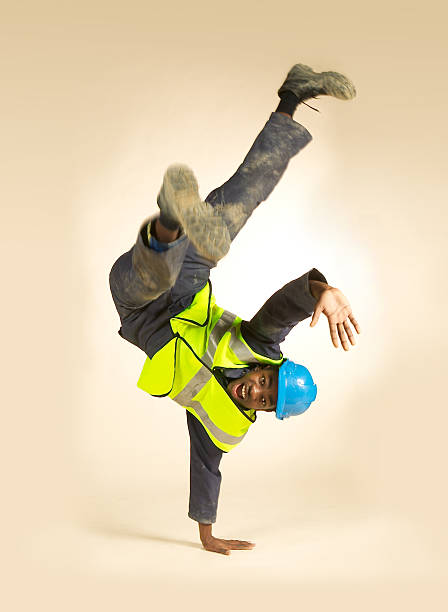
[205,477]
[279,314]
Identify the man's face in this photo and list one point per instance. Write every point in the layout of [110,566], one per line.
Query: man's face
[256,390]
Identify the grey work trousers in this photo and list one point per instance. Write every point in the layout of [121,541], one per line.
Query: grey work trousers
[149,287]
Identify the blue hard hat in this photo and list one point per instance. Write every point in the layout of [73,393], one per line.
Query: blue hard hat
[296,390]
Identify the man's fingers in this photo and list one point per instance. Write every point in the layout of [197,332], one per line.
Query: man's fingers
[341,331]
[333,333]
[239,544]
[348,331]
[355,324]
[224,547]
[316,315]
[343,337]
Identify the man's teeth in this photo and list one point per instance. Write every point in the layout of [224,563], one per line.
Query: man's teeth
[241,391]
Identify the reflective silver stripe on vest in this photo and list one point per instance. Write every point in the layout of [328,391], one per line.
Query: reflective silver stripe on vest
[192,388]
[240,349]
[219,434]
[223,325]
[201,378]
[203,375]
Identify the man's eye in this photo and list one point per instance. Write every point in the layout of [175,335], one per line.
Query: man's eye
[263,380]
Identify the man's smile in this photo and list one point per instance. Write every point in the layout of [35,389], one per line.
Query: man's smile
[240,391]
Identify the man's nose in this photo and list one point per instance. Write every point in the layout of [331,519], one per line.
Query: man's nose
[255,391]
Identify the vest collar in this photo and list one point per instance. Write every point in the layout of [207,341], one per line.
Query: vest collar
[218,373]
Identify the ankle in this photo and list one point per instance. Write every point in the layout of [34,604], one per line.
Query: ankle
[162,233]
[288,104]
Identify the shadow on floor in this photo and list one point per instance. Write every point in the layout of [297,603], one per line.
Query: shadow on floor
[118,531]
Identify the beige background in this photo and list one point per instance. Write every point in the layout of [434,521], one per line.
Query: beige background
[347,503]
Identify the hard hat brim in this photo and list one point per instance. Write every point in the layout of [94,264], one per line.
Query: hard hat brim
[281,391]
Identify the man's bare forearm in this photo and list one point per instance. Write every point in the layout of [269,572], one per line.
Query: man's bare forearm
[205,532]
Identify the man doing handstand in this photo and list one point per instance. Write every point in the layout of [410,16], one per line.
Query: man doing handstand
[222,369]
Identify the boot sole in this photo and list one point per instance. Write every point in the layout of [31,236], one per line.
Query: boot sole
[179,198]
[330,83]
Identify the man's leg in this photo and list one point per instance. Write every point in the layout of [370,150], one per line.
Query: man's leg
[149,269]
[144,273]
[262,168]
[186,267]
[279,141]
[141,279]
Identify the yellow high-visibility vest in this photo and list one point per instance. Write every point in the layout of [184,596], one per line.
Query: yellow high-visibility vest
[206,337]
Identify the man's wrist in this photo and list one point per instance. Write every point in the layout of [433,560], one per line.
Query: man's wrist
[205,532]
[317,288]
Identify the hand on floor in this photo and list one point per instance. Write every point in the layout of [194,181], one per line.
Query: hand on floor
[224,547]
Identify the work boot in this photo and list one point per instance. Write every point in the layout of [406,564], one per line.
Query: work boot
[303,82]
[179,200]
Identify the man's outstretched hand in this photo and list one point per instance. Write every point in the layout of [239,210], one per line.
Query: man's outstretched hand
[212,544]
[334,305]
